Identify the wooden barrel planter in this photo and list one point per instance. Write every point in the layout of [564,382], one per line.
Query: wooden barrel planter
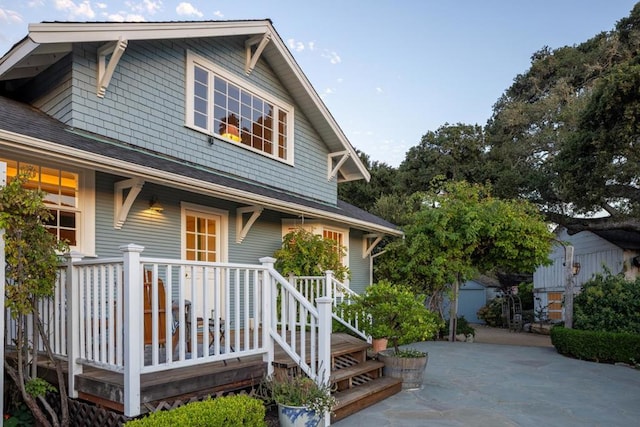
[409,369]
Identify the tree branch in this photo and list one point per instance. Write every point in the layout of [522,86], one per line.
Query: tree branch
[576,225]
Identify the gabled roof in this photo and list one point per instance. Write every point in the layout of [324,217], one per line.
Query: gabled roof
[27,129]
[49,42]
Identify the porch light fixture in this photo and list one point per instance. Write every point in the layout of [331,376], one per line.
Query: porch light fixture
[154,205]
[576,268]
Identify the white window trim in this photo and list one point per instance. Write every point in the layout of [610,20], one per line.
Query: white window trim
[193,59]
[224,227]
[86,225]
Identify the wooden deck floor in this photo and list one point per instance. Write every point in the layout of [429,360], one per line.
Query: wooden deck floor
[176,386]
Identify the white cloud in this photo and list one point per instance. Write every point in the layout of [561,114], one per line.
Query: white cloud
[34,4]
[295,46]
[10,16]
[188,9]
[101,5]
[146,6]
[379,90]
[333,57]
[218,14]
[82,10]
[298,46]
[125,17]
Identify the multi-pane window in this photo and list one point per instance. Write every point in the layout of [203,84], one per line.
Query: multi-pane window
[336,236]
[202,233]
[61,196]
[218,103]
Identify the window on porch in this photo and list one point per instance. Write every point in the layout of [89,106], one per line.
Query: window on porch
[65,198]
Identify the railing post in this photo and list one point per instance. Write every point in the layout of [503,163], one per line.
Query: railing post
[72,296]
[133,320]
[267,312]
[324,344]
[328,284]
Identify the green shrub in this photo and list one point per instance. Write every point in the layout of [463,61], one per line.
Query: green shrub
[238,410]
[491,313]
[462,327]
[525,292]
[598,346]
[608,303]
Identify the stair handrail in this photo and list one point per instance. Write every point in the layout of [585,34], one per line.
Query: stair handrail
[341,295]
[291,307]
[316,286]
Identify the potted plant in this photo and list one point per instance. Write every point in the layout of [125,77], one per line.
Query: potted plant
[397,313]
[301,401]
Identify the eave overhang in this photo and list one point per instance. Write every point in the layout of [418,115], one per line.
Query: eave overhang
[69,155]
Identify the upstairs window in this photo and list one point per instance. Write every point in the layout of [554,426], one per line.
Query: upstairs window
[220,104]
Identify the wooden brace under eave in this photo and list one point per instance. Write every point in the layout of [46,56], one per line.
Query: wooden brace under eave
[252,57]
[243,230]
[333,170]
[122,205]
[368,245]
[105,70]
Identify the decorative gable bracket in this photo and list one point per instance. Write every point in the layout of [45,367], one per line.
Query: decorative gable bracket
[243,230]
[332,170]
[123,204]
[369,242]
[252,57]
[108,57]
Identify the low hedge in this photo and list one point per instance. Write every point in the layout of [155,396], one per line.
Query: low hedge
[237,410]
[607,347]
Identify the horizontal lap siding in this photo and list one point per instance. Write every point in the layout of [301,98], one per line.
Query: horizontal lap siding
[145,105]
[359,266]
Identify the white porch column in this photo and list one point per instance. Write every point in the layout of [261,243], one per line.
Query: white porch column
[268,305]
[324,344]
[133,320]
[72,294]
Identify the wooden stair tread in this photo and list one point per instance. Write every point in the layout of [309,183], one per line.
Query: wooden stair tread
[357,398]
[341,344]
[358,369]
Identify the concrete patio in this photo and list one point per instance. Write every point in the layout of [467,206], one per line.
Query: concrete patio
[481,384]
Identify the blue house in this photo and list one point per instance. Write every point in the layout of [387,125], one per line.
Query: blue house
[199,142]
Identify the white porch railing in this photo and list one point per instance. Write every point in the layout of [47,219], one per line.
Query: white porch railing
[196,312]
[312,287]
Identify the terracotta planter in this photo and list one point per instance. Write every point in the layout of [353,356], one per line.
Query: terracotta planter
[409,369]
[298,416]
[379,344]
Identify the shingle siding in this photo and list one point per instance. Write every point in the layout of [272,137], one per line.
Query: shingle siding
[144,105]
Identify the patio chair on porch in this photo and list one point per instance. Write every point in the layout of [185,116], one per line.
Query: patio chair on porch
[162,313]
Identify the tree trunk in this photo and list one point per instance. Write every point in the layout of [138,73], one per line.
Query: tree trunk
[453,312]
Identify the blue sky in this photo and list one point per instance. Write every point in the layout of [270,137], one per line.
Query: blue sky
[389,71]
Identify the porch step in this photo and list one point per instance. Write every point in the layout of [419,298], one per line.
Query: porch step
[364,395]
[357,379]
[370,368]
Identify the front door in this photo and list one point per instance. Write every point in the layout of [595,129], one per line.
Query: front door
[204,231]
